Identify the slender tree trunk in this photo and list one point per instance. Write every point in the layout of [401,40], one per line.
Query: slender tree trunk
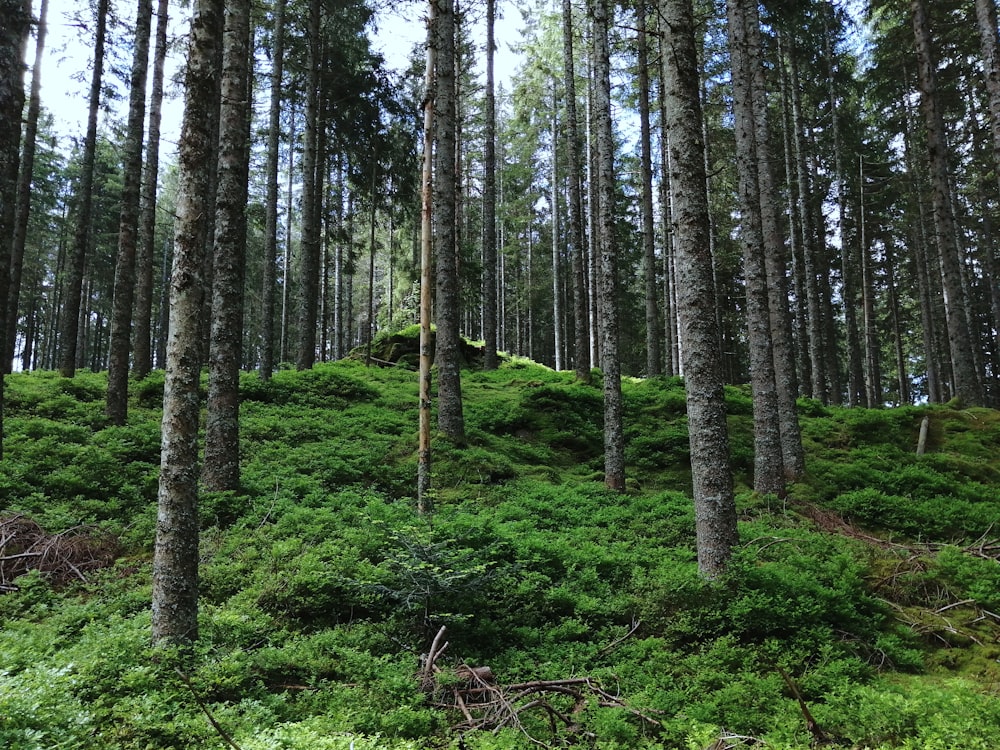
[116,405]
[490,200]
[574,229]
[269,282]
[715,508]
[23,203]
[310,243]
[966,383]
[425,503]
[447,354]
[69,335]
[142,354]
[286,271]
[222,427]
[557,310]
[768,460]
[175,555]
[614,433]
[654,365]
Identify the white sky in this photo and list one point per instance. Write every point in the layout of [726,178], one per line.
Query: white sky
[69,50]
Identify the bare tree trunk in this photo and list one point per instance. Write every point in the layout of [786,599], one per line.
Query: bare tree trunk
[175,555]
[222,423]
[116,405]
[310,242]
[269,279]
[23,203]
[425,503]
[654,364]
[142,355]
[490,201]
[966,383]
[557,310]
[614,434]
[447,356]
[69,335]
[768,460]
[715,508]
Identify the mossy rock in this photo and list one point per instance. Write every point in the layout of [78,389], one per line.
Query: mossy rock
[403,349]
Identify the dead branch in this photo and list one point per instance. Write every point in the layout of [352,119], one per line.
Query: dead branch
[615,643]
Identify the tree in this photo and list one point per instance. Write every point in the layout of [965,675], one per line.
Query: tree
[116,405]
[715,509]
[490,201]
[222,424]
[614,432]
[447,355]
[70,327]
[175,554]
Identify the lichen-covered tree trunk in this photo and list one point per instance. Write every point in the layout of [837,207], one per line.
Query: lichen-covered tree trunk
[142,352]
[23,203]
[715,509]
[175,554]
[654,363]
[116,404]
[965,381]
[614,431]
[768,461]
[70,326]
[424,501]
[447,356]
[222,427]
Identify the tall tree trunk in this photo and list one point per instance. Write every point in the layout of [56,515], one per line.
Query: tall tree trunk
[116,405]
[966,383]
[614,431]
[447,356]
[310,243]
[23,203]
[70,329]
[557,309]
[654,364]
[715,508]
[269,284]
[424,501]
[222,427]
[776,269]
[490,200]
[142,355]
[574,229]
[175,554]
[768,461]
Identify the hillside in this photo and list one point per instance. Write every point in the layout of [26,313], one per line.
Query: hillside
[862,611]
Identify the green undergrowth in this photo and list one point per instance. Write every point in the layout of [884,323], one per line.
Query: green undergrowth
[871,592]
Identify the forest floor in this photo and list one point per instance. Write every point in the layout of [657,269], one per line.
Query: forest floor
[534,608]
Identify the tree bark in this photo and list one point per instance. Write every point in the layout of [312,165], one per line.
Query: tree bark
[175,554]
[221,470]
[490,200]
[965,381]
[447,355]
[116,404]
[614,432]
[715,508]
[654,364]
[70,328]
[142,354]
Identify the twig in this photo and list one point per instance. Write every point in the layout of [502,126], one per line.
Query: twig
[201,704]
[611,646]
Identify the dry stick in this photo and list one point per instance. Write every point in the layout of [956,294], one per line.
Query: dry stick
[818,734]
[611,646]
[211,719]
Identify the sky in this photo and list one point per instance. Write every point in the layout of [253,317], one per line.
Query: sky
[69,50]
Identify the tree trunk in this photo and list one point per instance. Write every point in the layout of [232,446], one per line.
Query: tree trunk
[715,508]
[310,243]
[175,555]
[23,203]
[614,432]
[142,354]
[222,427]
[966,383]
[768,461]
[269,283]
[70,329]
[654,364]
[557,309]
[447,354]
[116,405]
[490,201]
